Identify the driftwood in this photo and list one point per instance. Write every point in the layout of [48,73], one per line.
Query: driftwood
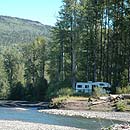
[121,96]
[110,98]
[104,98]
[114,97]
[98,102]
[126,96]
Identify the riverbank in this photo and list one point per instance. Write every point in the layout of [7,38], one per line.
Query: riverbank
[19,125]
[23,104]
[121,116]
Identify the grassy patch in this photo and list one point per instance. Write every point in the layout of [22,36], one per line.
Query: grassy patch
[57,102]
[121,105]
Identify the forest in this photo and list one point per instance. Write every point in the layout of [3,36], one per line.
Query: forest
[89,42]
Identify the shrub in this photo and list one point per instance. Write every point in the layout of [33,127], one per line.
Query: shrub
[98,91]
[123,90]
[81,94]
[121,105]
[57,102]
[55,89]
[65,92]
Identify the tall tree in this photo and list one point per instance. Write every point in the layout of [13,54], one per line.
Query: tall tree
[15,72]
[4,84]
[35,57]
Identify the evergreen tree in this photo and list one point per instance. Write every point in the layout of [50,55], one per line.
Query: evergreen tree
[14,68]
[4,84]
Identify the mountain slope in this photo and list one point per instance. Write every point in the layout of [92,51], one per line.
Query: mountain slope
[16,30]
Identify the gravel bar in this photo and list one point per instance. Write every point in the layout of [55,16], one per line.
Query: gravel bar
[19,125]
[121,116]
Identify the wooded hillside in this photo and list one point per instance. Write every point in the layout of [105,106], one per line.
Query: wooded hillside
[15,30]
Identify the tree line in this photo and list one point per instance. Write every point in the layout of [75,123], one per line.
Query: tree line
[22,70]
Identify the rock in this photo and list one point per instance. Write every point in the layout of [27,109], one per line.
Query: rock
[118,127]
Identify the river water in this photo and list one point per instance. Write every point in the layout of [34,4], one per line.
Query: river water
[32,115]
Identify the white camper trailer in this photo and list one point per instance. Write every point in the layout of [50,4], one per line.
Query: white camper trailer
[88,87]
[83,87]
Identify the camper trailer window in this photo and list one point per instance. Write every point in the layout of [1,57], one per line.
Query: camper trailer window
[94,86]
[86,86]
[79,86]
[101,84]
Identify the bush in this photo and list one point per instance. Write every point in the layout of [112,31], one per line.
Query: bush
[123,90]
[98,92]
[58,89]
[60,96]
[81,94]
[121,105]
[57,102]
[65,92]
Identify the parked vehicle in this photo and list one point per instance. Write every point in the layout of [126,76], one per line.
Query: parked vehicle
[88,87]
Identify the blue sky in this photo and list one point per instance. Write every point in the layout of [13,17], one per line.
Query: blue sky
[44,11]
